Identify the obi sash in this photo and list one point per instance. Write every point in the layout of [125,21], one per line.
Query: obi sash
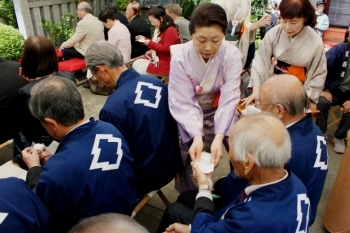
[206,101]
[285,68]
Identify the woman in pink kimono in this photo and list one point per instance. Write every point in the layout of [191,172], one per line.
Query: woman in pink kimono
[204,89]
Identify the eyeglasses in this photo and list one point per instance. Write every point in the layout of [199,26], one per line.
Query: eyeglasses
[80,9]
[258,103]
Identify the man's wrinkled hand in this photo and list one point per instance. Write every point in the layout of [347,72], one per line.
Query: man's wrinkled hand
[44,155]
[346,106]
[327,96]
[31,157]
[178,228]
[200,177]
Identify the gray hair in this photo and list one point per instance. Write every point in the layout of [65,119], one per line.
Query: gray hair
[287,91]
[265,137]
[86,6]
[106,223]
[103,53]
[56,98]
[174,8]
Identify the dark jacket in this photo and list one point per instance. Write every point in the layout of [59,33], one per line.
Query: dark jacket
[138,26]
[335,57]
[11,82]
[30,127]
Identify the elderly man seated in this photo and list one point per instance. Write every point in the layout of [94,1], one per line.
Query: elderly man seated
[336,92]
[284,96]
[274,200]
[88,30]
[139,109]
[175,12]
[92,171]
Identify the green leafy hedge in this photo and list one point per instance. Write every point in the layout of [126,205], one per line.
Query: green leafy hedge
[11,43]
[59,32]
[7,11]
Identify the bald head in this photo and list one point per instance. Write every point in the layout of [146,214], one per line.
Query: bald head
[287,91]
[106,223]
[265,137]
[84,5]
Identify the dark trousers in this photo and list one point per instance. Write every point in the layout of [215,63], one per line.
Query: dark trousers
[175,212]
[70,53]
[324,106]
[181,211]
[250,56]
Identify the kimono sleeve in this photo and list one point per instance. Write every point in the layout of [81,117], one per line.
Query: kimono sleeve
[316,75]
[262,61]
[170,38]
[225,115]
[183,104]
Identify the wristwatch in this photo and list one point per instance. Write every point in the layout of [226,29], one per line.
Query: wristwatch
[205,187]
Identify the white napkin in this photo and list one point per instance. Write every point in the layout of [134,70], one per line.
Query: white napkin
[205,164]
[250,110]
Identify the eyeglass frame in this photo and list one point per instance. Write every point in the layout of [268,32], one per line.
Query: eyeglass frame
[257,103]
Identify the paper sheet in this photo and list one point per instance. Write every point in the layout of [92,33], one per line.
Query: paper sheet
[10,170]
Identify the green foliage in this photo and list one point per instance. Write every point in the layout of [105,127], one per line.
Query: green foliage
[122,4]
[189,5]
[7,11]
[60,32]
[258,9]
[11,43]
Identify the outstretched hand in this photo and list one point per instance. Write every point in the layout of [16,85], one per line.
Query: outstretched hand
[196,148]
[199,176]
[216,149]
[250,99]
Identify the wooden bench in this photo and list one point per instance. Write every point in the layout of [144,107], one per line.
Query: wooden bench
[335,115]
[333,36]
[72,66]
[143,201]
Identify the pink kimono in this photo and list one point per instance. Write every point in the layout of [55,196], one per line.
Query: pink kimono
[193,88]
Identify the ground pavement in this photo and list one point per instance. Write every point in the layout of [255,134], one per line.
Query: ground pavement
[152,213]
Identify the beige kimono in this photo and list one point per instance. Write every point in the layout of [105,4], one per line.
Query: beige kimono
[304,50]
[239,10]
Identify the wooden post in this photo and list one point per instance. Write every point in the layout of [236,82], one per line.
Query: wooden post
[24,18]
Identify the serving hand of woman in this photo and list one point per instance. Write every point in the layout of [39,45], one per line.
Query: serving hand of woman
[254,96]
[216,149]
[196,148]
